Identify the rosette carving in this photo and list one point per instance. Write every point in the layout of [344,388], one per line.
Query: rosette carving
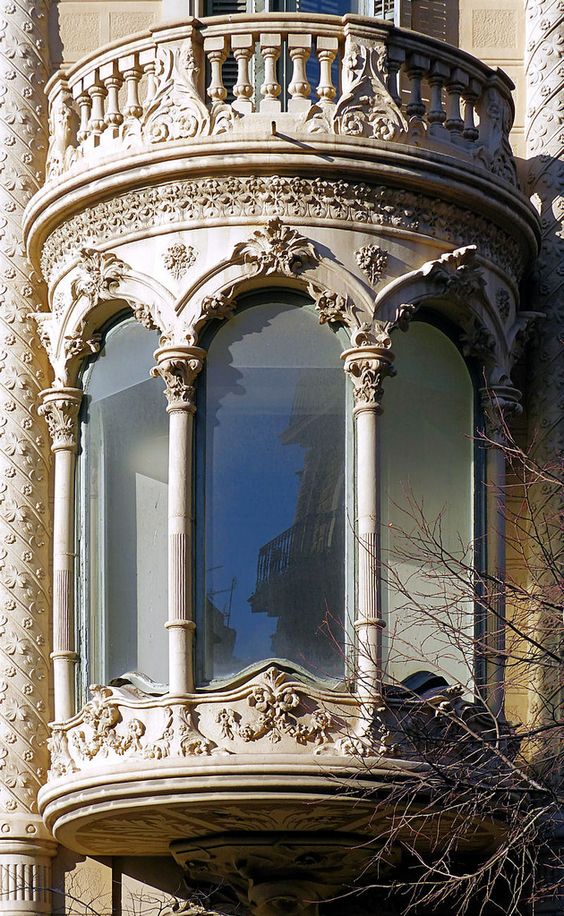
[99,275]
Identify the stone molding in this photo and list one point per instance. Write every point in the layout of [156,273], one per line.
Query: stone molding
[203,201]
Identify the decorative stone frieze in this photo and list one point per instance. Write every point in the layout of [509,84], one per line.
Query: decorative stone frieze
[203,201]
[277,249]
[24,472]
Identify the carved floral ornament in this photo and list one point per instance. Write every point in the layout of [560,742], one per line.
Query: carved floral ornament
[178,368]
[60,408]
[274,711]
[276,249]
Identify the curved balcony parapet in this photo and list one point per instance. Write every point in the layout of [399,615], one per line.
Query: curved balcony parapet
[128,756]
[251,75]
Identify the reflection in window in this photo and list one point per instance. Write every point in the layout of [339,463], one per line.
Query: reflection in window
[427,471]
[273,491]
[124,508]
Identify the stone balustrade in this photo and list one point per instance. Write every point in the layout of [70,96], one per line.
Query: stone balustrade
[247,75]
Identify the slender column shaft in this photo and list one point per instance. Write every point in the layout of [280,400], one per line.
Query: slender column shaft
[367,366]
[499,403]
[60,408]
[178,367]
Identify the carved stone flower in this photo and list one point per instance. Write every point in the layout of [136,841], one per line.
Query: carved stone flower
[178,259]
[372,260]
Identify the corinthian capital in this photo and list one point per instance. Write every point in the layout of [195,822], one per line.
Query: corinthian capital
[60,408]
[367,365]
[499,403]
[178,368]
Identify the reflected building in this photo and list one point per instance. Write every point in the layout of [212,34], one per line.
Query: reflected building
[292,564]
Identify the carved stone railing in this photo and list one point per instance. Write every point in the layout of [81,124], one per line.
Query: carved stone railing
[147,760]
[374,83]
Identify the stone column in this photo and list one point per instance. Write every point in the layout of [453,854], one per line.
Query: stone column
[367,366]
[60,408]
[178,367]
[25,847]
[499,403]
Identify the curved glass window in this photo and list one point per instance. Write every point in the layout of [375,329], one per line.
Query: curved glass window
[123,474]
[271,426]
[427,495]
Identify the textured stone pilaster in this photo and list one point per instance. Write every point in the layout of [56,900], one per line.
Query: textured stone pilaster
[544,136]
[24,541]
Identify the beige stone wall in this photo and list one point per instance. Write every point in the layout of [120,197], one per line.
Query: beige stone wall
[494,31]
[79,26]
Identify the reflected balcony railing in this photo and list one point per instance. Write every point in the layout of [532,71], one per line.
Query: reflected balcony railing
[247,77]
[314,535]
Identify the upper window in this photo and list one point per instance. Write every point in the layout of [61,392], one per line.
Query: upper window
[271,425]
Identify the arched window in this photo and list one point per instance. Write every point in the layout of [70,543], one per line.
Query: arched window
[427,498]
[123,508]
[273,488]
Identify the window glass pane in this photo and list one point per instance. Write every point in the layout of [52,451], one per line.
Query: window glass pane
[427,474]
[124,497]
[274,485]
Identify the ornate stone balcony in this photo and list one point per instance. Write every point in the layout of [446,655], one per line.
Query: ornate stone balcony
[259,95]
[207,776]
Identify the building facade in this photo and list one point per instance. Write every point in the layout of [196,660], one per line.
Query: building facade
[263,215]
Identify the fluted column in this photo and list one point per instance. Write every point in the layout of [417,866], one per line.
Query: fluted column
[60,408]
[499,404]
[367,366]
[178,367]
[24,469]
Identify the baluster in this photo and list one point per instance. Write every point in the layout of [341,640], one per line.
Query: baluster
[455,86]
[470,97]
[148,64]
[132,74]
[85,108]
[327,50]
[270,46]
[416,68]
[299,49]
[98,94]
[113,82]
[437,114]
[216,50]
[396,57]
[243,47]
